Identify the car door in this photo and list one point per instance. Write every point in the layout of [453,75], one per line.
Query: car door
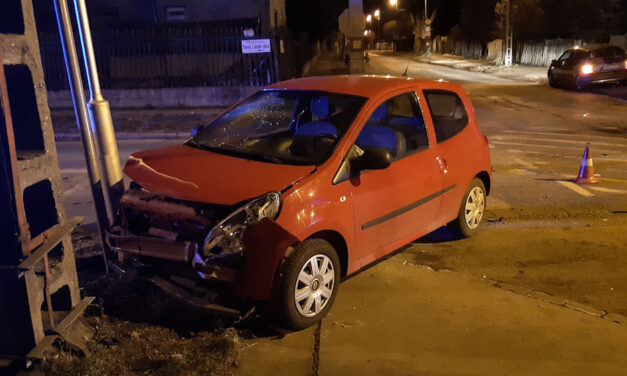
[560,67]
[455,149]
[402,200]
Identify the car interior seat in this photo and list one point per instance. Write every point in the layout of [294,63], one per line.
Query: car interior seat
[315,138]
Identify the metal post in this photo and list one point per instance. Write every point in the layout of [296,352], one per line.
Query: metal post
[429,35]
[508,37]
[100,116]
[101,199]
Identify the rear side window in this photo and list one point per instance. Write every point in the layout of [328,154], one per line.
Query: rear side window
[619,52]
[448,113]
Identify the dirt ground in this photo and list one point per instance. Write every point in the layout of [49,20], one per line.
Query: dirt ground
[138,330]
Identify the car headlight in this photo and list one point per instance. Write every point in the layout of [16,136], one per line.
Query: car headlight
[227,236]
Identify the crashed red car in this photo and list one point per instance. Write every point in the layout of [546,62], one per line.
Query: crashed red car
[303,183]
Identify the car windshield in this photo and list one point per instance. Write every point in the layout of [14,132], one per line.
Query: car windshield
[279,126]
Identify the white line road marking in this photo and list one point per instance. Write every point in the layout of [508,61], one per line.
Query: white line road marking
[562,134]
[611,180]
[567,141]
[575,188]
[559,147]
[73,171]
[526,165]
[607,190]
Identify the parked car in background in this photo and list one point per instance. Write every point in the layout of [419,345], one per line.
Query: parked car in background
[304,183]
[580,67]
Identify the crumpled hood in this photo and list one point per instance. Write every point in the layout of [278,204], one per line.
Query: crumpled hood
[186,173]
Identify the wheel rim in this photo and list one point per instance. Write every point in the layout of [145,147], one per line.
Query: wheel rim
[475,205]
[314,285]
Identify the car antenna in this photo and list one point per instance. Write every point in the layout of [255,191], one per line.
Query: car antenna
[406,67]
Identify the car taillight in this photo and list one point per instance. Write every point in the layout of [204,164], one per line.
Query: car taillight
[625,64]
[587,68]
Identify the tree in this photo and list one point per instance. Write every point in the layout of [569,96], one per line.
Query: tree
[528,18]
[477,19]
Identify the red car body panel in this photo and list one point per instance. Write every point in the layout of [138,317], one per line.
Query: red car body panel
[185,173]
[373,214]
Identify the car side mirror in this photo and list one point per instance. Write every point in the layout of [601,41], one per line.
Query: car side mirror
[553,61]
[197,129]
[372,159]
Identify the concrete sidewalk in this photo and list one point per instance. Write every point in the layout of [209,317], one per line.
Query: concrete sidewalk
[515,72]
[400,319]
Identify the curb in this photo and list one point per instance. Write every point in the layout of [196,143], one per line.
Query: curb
[129,136]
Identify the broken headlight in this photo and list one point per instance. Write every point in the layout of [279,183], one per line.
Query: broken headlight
[227,236]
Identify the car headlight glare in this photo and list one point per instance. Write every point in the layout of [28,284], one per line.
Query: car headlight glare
[587,68]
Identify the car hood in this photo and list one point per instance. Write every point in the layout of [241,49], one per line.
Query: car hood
[186,173]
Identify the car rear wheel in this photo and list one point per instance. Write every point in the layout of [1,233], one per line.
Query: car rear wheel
[472,209]
[310,283]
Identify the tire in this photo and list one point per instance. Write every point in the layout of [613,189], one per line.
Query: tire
[551,79]
[469,220]
[578,85]
[315,302]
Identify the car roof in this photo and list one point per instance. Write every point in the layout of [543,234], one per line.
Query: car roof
[360,85]
[592,47]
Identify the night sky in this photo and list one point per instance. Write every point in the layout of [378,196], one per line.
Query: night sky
[318,18]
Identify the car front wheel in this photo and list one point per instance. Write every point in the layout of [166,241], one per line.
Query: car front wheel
[551,79]
[470,215]
[310,283]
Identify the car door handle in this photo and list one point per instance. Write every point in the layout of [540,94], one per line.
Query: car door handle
[443,164]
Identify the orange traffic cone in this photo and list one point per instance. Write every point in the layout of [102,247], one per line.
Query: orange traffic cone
[586,172]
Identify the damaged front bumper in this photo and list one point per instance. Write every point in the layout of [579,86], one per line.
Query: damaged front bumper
[246,254]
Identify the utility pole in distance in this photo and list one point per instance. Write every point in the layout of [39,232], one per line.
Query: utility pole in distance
[509,38]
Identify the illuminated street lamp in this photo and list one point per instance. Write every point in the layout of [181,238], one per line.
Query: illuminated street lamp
[377,14]
[369,18]
[394,3]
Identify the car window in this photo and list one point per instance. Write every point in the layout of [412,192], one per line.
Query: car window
[282,126]
[605,53]
[448,113]
[564,56]
[396,125]
[619,52]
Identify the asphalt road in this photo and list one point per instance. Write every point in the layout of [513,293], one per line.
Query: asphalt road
[556,249]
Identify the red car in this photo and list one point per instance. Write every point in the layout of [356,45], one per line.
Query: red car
[303,183]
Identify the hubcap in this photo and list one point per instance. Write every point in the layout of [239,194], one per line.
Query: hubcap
[475,205]
[314,285]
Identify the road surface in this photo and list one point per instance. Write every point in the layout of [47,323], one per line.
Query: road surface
[538,291]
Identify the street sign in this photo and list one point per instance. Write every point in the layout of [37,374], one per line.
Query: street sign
[255,46]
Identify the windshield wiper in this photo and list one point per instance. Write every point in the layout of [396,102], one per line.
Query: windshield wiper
[236,152]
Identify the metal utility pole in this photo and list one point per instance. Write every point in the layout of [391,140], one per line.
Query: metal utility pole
[100,116]
[508,36]
[427,31]
[100,195]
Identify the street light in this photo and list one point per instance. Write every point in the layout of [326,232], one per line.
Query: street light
[377,14]
[369,18]
[394,3]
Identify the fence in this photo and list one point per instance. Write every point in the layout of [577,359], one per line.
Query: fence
[539,53]
[543,52]
[169,56]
